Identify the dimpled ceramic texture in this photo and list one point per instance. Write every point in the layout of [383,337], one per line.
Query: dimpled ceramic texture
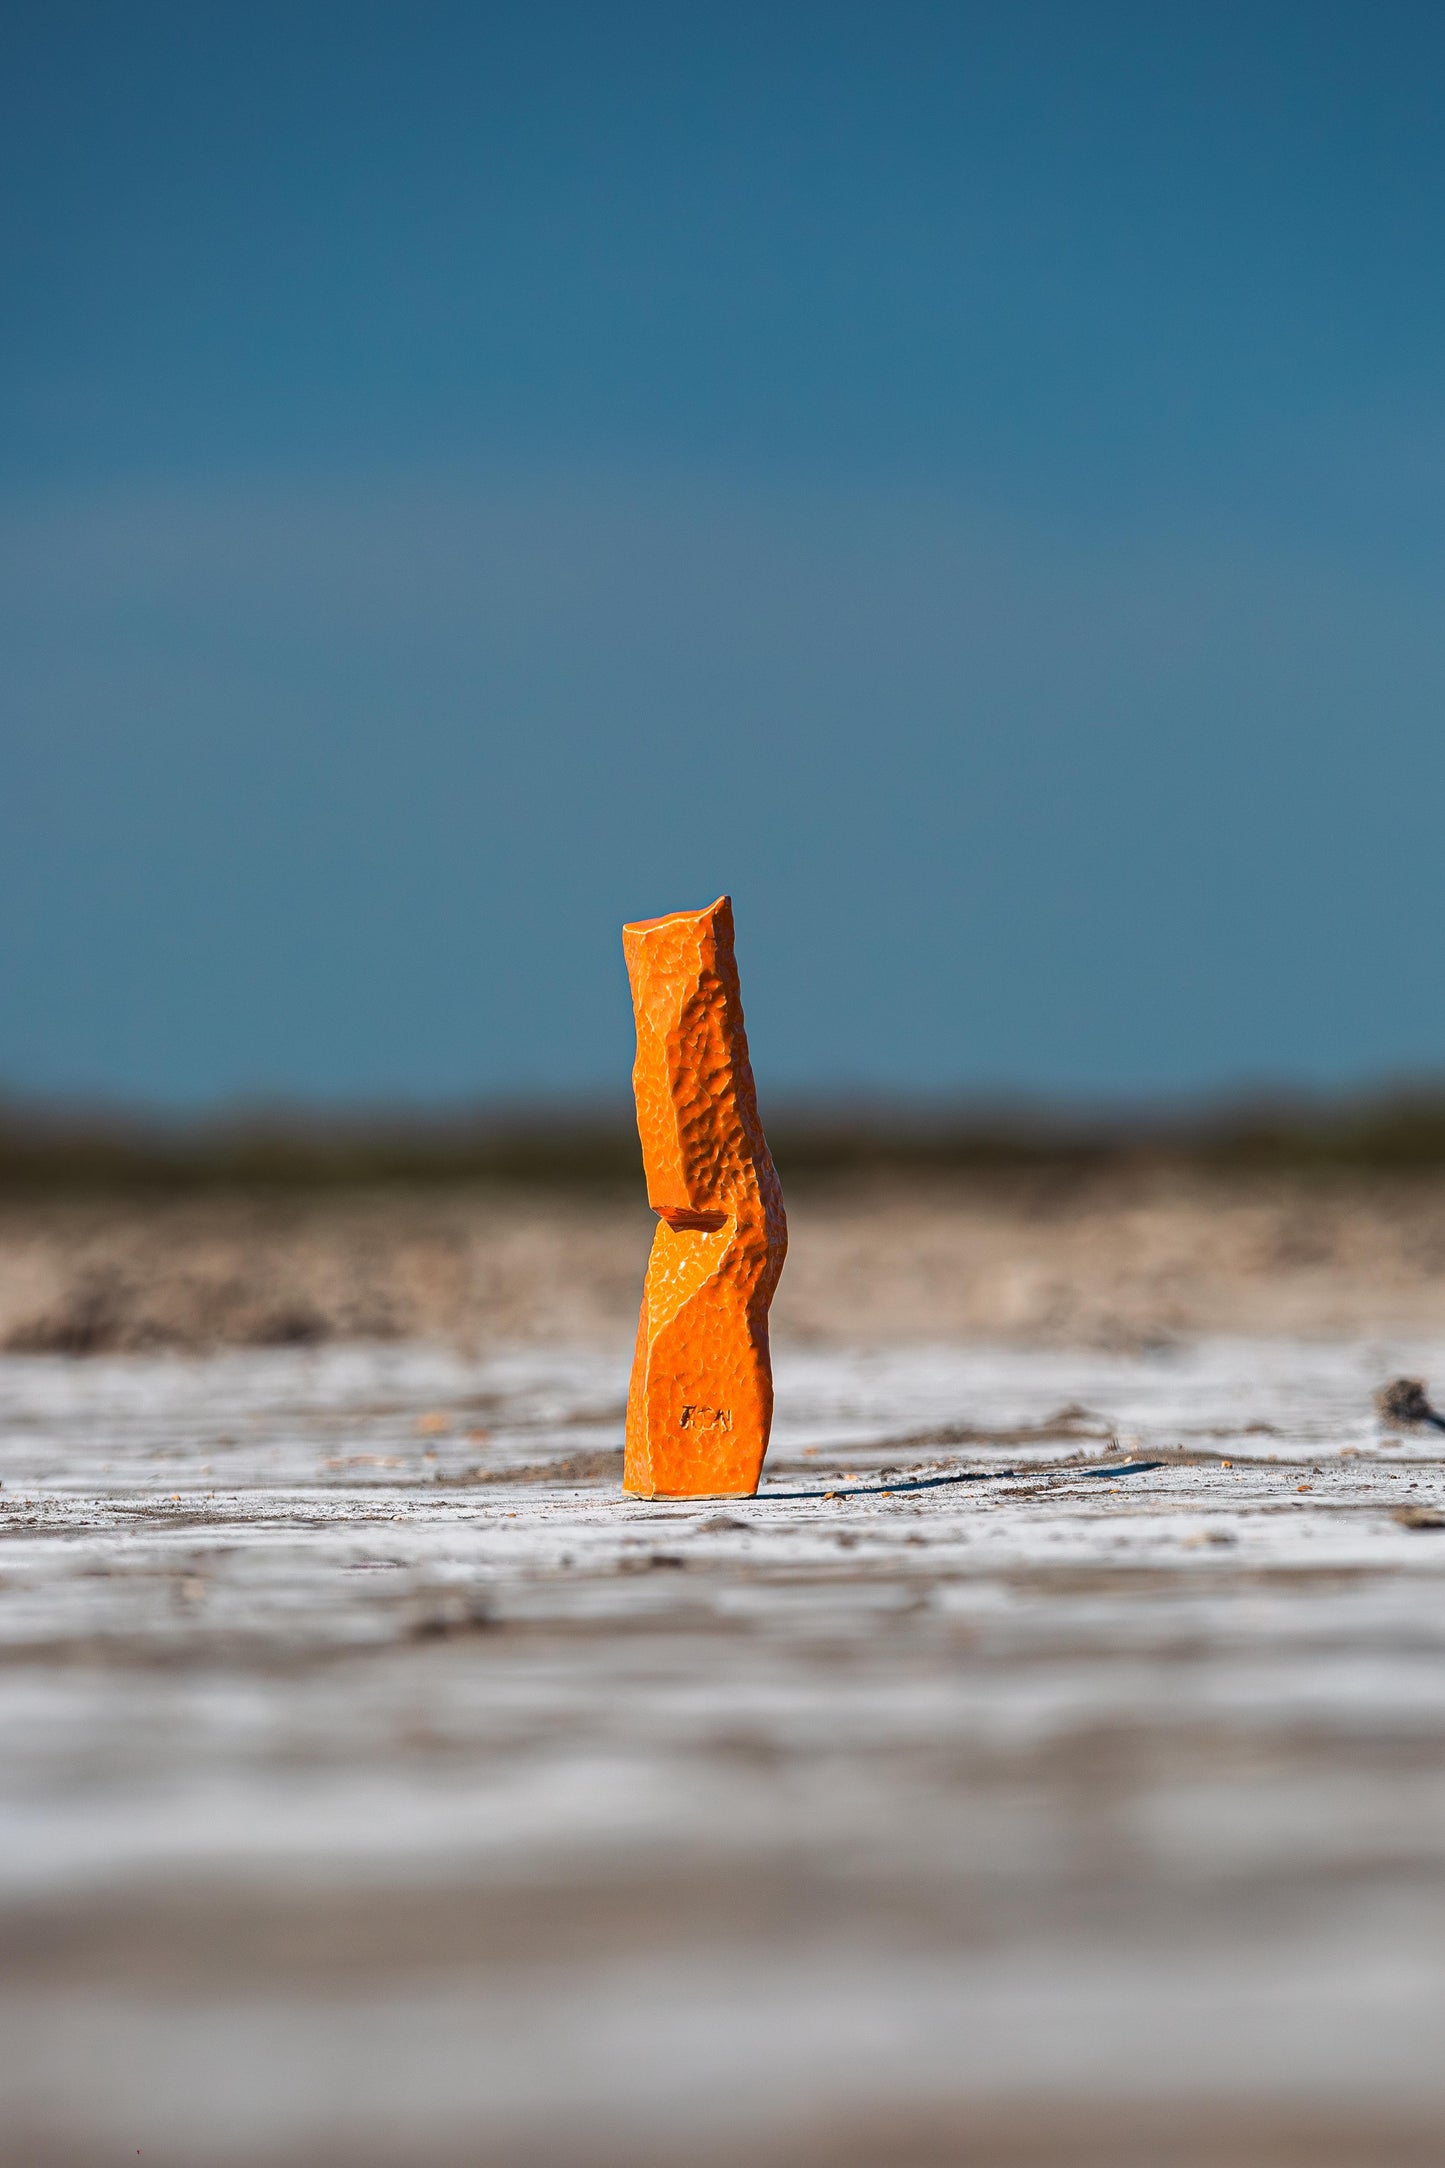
[701,1402]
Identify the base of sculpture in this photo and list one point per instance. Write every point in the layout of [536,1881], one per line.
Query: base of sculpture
[701,1404]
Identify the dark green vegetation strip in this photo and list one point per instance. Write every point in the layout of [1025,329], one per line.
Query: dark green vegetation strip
[49,1152]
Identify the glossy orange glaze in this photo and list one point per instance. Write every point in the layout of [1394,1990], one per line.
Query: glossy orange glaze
[701,1402]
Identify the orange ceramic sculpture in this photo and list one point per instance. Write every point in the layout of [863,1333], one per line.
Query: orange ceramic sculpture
[701,1403]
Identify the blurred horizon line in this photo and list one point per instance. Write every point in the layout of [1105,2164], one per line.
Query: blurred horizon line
[56,1144]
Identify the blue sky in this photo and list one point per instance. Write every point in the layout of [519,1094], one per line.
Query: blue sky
[967,481]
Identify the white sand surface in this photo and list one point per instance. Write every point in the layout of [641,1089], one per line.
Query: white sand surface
[380,1786]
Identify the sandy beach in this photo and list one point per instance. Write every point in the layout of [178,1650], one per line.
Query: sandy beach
[1049,1763]
[1048,1766]
[1116,1259]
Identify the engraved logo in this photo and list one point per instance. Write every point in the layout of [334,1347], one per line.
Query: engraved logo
[707,1418]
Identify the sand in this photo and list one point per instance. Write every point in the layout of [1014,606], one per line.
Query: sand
[380,1787]
[1113,1260]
